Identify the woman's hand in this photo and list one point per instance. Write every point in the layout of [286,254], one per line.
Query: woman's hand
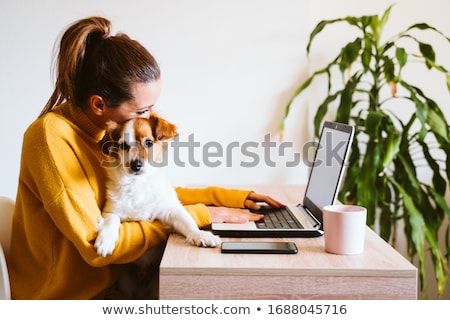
[232,215]
[236,215]
[253,198]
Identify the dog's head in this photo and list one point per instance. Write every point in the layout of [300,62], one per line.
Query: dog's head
[137,144]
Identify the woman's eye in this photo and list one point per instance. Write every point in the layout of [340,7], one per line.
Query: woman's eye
[142,112]
[148,143]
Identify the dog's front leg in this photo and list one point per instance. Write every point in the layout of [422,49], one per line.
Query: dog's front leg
[184,224]
[108,233]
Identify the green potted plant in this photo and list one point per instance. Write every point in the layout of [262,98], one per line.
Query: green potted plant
[387,150]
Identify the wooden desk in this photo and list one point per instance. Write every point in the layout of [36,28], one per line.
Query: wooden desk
[188,272]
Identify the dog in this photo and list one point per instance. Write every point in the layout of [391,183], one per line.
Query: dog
[137,188]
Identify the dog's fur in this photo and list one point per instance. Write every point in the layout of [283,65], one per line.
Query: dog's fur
[138,190]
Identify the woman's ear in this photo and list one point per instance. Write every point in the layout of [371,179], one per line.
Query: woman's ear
[97,105]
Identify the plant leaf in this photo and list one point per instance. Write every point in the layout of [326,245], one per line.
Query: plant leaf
[418,228]
[346,102]
[401,56]
[366,56]
[389,69]
[349,54]
[319,28]
[425,26]
[428,52]
[393,141]
[322,111]
[298,91]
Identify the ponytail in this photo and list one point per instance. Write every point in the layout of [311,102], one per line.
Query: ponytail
[92,62]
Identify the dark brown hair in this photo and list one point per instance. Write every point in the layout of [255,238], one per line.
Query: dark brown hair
[91,61]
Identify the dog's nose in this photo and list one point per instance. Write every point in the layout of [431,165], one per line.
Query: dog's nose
[136,165]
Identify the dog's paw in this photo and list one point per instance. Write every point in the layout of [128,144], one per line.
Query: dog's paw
[203,239]
[106,241]
[100,224]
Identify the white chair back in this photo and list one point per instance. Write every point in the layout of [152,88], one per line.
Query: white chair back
[6,213]
[5,288]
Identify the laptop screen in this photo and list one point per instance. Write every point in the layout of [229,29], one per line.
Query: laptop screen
[329,161]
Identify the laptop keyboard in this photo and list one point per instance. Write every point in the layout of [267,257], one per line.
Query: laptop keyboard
[279,219]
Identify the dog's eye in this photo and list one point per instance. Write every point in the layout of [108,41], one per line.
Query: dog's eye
[124,146]
[148,143]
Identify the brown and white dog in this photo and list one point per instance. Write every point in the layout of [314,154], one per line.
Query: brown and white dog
[138,190]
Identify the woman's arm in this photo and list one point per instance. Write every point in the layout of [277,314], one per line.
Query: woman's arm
[223,203]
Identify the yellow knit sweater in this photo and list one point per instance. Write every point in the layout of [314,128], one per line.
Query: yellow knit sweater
[60,195]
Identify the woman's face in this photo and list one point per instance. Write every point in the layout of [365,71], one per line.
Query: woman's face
[145,97]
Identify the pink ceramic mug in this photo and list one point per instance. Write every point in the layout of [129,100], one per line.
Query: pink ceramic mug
[344,228]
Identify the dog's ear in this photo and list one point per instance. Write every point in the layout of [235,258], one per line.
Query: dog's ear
[110,139]
[162,129]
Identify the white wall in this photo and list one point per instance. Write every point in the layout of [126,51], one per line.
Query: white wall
[229,67]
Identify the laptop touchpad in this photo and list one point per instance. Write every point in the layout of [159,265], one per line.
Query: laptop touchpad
[234,226]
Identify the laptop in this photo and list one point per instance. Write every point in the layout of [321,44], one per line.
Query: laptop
[303,219]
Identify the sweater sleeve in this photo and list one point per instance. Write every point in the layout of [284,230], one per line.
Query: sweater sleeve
[200,213]
[213,196]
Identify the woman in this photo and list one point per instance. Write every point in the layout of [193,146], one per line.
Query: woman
[61,189]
